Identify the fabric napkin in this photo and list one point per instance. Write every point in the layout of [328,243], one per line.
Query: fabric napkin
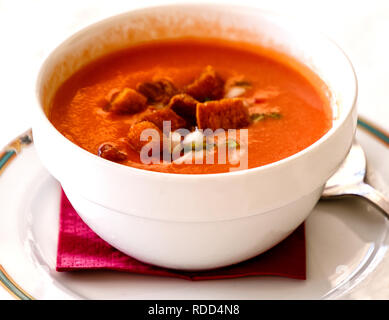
[79,248]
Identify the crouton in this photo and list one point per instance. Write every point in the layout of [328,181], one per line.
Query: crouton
[185,106]
[209,86]
[112,152]
[112,94]
[135,132]
[165,114]
[126,101]
[225,114]
[159,91]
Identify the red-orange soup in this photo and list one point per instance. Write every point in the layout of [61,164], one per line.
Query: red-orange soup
[281,84]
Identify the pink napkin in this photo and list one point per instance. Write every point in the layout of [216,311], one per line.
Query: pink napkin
[79,248]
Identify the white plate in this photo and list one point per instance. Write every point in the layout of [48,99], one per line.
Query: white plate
[347,244]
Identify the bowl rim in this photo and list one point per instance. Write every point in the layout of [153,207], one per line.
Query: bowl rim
[242,9]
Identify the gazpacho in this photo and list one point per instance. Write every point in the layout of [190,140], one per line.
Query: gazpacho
[195,99]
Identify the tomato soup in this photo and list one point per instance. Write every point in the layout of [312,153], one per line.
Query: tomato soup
[197,86]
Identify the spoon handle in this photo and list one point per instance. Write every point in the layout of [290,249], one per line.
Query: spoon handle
[372,195]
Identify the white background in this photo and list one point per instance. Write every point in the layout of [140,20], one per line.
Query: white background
[30,29]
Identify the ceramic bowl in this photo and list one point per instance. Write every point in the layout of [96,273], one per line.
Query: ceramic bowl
[196,222]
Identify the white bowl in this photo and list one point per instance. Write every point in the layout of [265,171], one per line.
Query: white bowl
[196,222]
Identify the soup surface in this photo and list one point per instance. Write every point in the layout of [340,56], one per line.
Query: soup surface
[195,85]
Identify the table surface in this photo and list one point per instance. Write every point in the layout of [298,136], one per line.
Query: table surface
[29,30]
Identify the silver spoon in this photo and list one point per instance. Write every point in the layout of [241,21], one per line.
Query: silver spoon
[350,180]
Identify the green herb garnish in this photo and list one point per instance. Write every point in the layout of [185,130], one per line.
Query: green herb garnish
[232,144]
[204,145]
[255,117]
[274,115]
[197,146]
